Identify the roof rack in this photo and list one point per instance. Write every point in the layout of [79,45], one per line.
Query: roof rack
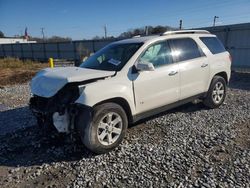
[185,32]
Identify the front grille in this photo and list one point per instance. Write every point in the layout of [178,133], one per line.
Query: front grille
[56,103]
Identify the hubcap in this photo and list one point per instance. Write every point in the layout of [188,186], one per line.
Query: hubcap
[218,92]
[109,128]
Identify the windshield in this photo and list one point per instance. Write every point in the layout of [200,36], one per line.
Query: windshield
[111,58]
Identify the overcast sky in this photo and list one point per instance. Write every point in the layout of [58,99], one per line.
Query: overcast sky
[85,19]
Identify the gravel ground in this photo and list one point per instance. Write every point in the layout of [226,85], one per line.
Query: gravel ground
[190,146]
[14,113]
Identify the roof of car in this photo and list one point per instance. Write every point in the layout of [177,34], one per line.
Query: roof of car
[143,39]
[137,39]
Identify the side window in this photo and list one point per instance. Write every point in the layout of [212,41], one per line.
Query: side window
[158,54]
[185,49]
[213,44]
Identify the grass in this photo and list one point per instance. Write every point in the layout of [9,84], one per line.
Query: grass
[15,71]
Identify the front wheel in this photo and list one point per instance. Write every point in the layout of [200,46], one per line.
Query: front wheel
[106,130]
[216,93]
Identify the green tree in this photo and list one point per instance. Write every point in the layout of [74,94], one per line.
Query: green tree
[51,39]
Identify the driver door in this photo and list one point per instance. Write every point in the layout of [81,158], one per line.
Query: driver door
[159,87]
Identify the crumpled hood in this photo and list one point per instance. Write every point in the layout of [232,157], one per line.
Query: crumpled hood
[49,81]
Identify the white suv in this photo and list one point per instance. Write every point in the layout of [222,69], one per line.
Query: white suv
[130,80]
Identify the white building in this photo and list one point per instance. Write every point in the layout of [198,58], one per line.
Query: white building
[14,40]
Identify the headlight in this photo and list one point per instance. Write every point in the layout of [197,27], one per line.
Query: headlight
[68,94]
[81,89]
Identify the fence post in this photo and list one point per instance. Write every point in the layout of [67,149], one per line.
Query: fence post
[93,46]
[32,51]
[44,51]
[12,50]
[74,48]
[4,54]
[58,50]
[226,37]
[22,56]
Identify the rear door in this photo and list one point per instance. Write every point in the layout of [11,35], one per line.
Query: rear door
[193,66]
[157,88]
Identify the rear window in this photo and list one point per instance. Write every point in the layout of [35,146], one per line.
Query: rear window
[185,49]
[214,45]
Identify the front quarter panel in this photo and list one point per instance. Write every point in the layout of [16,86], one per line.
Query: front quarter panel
[107,89]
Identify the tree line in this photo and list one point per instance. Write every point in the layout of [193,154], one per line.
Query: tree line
[148,30]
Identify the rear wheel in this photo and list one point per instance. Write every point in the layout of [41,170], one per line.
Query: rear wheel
[216,93]
[106,130]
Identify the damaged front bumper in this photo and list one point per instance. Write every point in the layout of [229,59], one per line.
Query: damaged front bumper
[51,113]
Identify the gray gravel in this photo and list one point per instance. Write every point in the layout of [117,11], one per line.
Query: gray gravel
[190,146]
[14,96]
[14,112]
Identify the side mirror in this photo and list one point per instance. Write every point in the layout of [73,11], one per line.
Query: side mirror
[145,66]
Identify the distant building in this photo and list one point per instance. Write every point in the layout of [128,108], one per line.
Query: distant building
[14,40]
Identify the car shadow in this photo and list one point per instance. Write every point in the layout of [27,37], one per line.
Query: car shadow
[14,119]
[24,144]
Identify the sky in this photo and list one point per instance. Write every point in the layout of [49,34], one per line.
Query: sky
[85,19]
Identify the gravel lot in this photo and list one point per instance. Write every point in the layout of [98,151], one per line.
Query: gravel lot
[190,146]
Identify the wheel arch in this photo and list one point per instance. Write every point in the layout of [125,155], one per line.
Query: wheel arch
[223,74]
[122,102]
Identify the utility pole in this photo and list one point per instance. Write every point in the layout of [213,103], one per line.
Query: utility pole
[180,25]
[42,30]
[105,31]
[146,30]
[215,17]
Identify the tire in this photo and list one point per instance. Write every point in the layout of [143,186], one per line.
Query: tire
[216,93]
[100,135]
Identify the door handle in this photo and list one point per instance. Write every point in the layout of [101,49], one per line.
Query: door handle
[172,73]
[204,65]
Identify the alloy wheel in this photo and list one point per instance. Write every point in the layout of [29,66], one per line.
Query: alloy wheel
[109,128]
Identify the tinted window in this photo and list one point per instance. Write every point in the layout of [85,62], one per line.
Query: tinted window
[213,44]
[185,49]
[111,58]
[158,54]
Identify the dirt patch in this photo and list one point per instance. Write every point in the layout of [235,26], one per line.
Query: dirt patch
[15,71]
[10,77]
[242,139]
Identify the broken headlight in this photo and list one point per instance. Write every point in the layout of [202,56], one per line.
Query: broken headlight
[68,94]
